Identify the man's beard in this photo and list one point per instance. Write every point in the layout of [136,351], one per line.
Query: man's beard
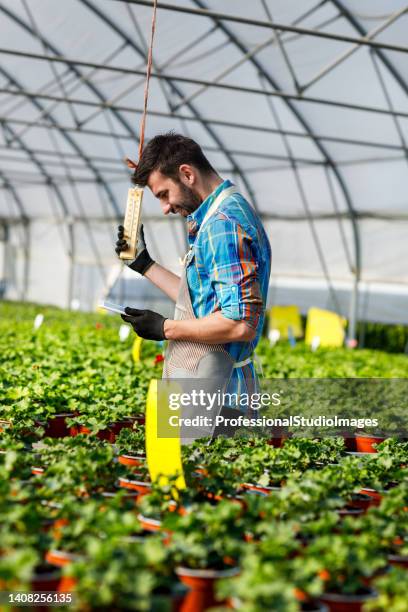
[189,200]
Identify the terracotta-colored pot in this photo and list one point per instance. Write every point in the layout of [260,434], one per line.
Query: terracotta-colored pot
[376,496]
[129,496]
[57,526]
[109,433]
[364,443]
[259,488]
[347,511]
[140,419]
[57,426]
[360,500]
[149,524]
[401,560]
[67,584]
[132,460]
[277,441]
[313,606]
[201,583]
[339,602]
[4,425]
[350,442]
[37,471]
[46,579]
[59,558]
[136,485]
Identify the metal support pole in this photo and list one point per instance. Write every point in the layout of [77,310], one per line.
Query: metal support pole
[4,239]
[189,81]
[353,312]
[353,49]
[212,121]
[71,256]
[200,12]
[26,250]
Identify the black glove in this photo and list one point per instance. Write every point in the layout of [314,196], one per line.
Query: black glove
[147,324]
[143,260]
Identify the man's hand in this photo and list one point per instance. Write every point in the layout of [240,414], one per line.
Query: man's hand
[143,261]
[146,323]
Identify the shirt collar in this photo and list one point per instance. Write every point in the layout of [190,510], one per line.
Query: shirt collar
[196,218]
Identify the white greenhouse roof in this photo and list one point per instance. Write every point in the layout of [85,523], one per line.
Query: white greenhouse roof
[303,104]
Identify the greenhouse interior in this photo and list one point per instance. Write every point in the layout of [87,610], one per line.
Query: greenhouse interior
[275,133]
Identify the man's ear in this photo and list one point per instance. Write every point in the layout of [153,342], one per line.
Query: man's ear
[188,175]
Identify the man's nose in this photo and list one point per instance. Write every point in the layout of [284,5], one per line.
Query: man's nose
[166,208]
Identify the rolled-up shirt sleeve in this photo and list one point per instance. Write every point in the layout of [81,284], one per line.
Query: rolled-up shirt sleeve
[233,270]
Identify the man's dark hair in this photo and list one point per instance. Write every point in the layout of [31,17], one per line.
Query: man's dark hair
[166,153]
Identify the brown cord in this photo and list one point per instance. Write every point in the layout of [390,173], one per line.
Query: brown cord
[146,90]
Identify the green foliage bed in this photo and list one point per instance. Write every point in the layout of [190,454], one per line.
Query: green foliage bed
[297,521]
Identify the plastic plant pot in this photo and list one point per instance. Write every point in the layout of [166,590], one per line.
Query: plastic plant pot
[350,442]
[136,485]
[340,602]
[46,578]
[277,441]
[137,418]
[376,496]
[259,488]
[109,434]
[60,558]
[313,606]
[37,471]
[67,584]
[360,500]
[149,524]
[57,427]
[364,443]
[4,425]
[201,583]
[132,460]
[129,496]
[401,560]
[347,511]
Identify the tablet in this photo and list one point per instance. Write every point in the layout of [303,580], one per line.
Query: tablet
[117,308]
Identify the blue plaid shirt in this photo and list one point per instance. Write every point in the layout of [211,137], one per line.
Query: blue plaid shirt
[230,272]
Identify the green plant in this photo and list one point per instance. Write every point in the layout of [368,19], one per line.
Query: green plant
[131,441]
[207,537]
[392,589]
[273,576]
[345,562]
[122,576]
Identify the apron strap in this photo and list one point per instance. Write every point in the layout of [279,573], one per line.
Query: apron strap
[244,362]
[225,193]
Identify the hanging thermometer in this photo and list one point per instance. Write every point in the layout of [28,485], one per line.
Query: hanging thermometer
[132,222]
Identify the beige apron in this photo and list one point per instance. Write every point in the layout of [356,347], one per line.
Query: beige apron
[210,363]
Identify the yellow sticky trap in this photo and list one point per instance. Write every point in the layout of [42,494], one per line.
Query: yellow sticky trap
[283,317]
[325,325]
[137,349]
[163,453]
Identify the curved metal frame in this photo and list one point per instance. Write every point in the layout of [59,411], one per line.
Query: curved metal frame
[176,90]
[196,114]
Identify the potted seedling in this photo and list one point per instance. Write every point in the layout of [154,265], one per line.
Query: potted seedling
[80,523]
[273,576]
[347,564]
[131,446]
[84,471]
[205,546]
[125,576]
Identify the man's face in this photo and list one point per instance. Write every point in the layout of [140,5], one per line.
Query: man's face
[175,197]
